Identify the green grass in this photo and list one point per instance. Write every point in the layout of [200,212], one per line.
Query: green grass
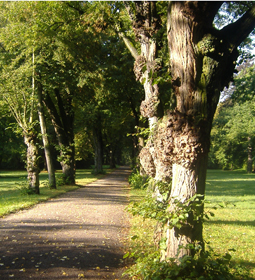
[232,227]
[11,182]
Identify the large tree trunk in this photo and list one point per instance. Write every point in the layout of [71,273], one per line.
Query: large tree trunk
[202,61]
[197,79]
[46,144]
[32,164]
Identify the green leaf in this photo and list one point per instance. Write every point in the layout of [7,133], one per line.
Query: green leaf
[134,237]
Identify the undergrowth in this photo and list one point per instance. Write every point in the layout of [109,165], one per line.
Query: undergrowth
[204,264]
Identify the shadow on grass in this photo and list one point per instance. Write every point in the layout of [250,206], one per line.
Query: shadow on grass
[239,223]
[243,267]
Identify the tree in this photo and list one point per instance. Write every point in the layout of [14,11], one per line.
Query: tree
[17,88]
[51,31]
[233,127]
[45,139]
[17,93]
[201,61]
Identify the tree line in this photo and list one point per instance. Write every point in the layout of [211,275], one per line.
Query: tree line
[67,80]
[233,128]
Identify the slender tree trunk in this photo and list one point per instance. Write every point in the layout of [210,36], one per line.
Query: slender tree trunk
[46,144]
[249,160]
[32,164]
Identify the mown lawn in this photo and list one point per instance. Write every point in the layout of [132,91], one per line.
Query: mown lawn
[12,184]
[232,227]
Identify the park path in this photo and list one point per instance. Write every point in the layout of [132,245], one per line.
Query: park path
[78,235]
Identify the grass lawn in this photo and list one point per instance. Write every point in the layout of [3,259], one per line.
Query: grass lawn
[232,227]
[11,183]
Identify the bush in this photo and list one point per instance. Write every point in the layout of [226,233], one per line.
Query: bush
[202,266]
[138,181]
[24,188]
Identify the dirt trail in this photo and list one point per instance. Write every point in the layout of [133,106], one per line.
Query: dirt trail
[75,236]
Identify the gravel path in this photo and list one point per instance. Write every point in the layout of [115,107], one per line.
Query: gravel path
[76,236]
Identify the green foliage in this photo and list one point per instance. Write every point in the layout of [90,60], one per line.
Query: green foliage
[63,180]
[244,83]
[24,188]
[138,181]
[202,266]
[65,154]
[233,128]
[175,215]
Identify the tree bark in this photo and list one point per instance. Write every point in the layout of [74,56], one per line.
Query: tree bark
[147,23]
[46,144]
[197,80]
[32,164]
[202,61]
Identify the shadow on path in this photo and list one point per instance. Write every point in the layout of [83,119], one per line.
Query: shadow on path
[75,236]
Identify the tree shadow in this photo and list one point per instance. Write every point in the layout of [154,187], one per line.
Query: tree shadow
[239,223]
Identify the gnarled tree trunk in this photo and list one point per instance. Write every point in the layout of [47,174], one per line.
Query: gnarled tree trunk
[32,163]
[202,61]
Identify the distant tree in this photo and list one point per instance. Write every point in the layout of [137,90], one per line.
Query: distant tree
[234,127]
[17,93]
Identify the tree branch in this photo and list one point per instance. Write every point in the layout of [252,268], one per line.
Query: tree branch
[80,11]
[129,45]
[49,104]
[236,32]
[127,42]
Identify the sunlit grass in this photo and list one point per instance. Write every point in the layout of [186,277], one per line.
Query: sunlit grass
[232,227]
[11,182]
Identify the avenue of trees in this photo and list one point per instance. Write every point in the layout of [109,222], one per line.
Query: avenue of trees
[74,74]
[65,81]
